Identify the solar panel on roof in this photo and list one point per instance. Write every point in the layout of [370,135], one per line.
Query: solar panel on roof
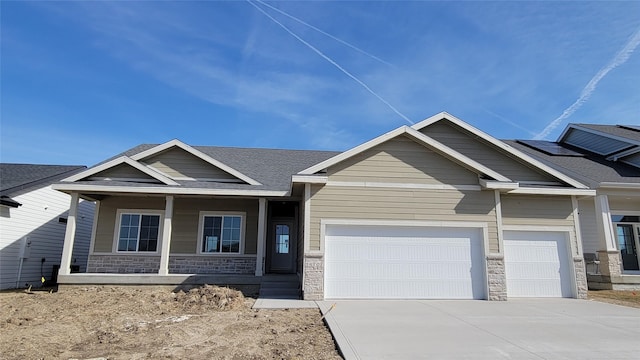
[550,148]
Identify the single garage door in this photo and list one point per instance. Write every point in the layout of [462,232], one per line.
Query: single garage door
[537,264]
[395,262]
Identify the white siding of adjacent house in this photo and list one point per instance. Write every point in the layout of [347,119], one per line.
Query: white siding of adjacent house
[37,219]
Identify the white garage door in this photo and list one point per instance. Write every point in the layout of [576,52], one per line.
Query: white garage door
[394,262]
[537,264]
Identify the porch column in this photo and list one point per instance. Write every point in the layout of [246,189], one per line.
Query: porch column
[603,223]
[609,256]
[166,237]
[69,236]
[262,222]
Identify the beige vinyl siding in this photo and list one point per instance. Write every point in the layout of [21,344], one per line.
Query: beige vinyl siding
[335,202]
[401,160]
[107,216]
[186,212]
[124,171]
[176,162]
[483,153]
[186,221]
[537,210]
[531,210]
[588,230]
[622,205]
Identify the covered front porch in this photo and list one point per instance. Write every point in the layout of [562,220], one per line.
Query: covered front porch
[153,239]
[617,221]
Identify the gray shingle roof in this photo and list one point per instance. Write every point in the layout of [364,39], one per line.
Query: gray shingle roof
[617,130]
[591,166]
[15,177]
[272,168]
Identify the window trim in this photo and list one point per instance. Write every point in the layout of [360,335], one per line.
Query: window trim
[116,231]
[243,225]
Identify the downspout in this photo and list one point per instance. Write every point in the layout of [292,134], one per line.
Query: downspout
[22,254]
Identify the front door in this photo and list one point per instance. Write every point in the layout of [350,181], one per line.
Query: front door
[627,238]
[282,247]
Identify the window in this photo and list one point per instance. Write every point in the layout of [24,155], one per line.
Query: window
[282,239]
[221,233]
[138,232]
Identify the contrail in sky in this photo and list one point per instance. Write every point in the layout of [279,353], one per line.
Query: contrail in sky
[365,86]
[500,117]
[621,57]
[325,33]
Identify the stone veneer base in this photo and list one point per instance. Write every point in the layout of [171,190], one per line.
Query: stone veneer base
[144,264]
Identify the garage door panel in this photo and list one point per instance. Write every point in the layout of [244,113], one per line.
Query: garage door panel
[537,264]
[403,263]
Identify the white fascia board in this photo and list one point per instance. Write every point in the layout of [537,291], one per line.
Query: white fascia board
[553,191]
[513,151]
[353,151]
[142,190]
[498,185]
[309,179]
[454,155]
[197,153]
[118,161]
[619,185]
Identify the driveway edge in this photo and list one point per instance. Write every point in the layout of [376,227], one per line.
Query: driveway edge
[344,346]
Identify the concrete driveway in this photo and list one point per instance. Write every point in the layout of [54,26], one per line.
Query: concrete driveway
[515,329]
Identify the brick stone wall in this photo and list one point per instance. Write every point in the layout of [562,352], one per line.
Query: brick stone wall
[123,264]
[212,265]
[581,277]
[610,263]
[142,264]
[313,287]
[496,278]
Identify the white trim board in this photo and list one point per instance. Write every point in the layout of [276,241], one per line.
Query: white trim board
[501,145]
[371,184]
[553,191]
[177,143]
[162,190]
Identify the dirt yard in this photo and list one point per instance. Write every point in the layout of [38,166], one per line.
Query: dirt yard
[619,297]
[133,323]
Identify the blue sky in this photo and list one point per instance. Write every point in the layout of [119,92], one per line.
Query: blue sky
[83,81]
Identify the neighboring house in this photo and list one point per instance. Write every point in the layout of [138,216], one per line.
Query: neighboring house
[437,210]
[607,158]
[33,220]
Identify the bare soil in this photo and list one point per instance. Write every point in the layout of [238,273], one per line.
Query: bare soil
[618,297]
[141,323]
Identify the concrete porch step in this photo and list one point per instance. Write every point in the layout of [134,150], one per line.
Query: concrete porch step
[280,287]
[280,293]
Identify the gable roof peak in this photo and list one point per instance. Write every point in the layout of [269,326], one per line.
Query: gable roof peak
[195,152]
[418,137]
[500,145]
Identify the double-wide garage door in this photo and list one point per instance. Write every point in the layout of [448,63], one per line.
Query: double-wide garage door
[398,262]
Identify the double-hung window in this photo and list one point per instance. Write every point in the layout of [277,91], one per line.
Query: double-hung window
[221,233]
[138,232]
